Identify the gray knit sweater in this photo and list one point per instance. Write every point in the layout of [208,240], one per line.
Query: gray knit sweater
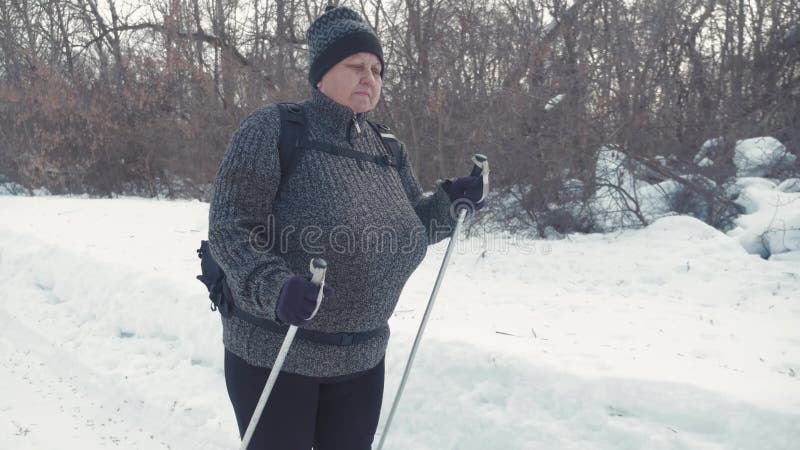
[371,223]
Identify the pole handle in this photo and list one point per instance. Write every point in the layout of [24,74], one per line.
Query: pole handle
[480,168]
[480,163]
[318,268]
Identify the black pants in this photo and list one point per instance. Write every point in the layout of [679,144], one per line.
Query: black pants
[327,413]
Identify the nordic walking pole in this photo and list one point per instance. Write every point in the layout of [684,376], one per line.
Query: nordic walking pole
[481,168]
[318,266]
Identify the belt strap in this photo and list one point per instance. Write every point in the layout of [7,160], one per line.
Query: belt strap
[319,337]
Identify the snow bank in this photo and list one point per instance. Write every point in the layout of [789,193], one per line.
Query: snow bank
[789,185]
[687,228]
[771,223]
[620,193]
[11,188]
[709,151]
[757,157]
[624,200]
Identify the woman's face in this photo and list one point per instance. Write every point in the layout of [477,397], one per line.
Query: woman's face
[354,82]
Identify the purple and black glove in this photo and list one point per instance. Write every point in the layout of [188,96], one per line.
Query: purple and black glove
[298,299]
[469,188]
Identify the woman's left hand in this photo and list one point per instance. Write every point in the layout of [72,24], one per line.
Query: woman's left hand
[469,188]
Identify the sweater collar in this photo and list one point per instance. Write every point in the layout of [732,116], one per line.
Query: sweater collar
[337,119]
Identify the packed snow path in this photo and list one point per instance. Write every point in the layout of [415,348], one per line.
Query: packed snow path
[664,338]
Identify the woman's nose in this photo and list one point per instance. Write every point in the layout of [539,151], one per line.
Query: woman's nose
[369,78]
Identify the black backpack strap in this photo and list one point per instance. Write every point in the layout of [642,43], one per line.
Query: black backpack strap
[293,128]
[393,146]
[381,160]
[292,143]
[390,142]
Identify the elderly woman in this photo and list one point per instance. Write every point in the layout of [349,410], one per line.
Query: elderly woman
[329,391]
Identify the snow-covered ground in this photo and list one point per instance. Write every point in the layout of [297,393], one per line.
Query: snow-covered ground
[668,337]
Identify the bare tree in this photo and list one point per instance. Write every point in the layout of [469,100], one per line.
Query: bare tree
[538,85]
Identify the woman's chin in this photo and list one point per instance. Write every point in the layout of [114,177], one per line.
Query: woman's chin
[361,108]
[360,103]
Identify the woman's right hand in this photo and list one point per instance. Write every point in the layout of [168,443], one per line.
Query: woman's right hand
[298,300]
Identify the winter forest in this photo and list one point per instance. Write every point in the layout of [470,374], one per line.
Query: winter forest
[633,283]
[110,97]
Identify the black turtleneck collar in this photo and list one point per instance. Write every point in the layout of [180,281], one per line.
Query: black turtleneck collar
[335,118]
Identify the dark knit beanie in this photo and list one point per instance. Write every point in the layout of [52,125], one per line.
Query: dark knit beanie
[335,35]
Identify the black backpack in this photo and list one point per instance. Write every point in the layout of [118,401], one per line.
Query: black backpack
[291,145]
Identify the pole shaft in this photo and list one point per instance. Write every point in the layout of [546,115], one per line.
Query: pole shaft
[273,376]
[421,329]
